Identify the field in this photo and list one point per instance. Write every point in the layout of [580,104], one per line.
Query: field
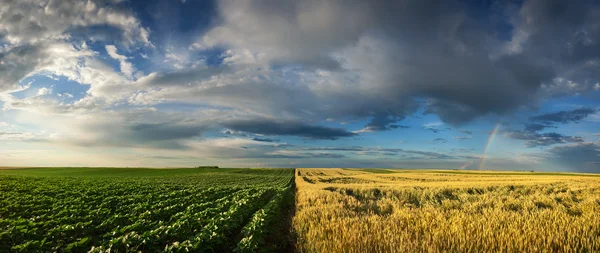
[350,210]
[147,210]
[336,210]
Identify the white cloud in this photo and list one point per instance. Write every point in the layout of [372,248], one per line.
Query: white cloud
[44,91]
[126,67]
[10,132]
[16,136]
[32,21]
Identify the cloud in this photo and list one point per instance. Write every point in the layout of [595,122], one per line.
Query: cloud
[158,135]
[242,148]
[435,127]
[387,151]
[369,70]
[291,128]
[563,117]
[564,34]
[467,132]
[383,122]
[60,59]
[23,60]
[300,32]
[264,139]
[294,68]
[15,136]
[462,138]
[534,127]
[36,21]
[583,157]
[141,128]
[298,155]
[465,150]
[44,91]
[440,140]
[429,155]
[533,139]
[126,67]
[48,37]
[348,149]
[360,51]
[549,120]
[391,49]
[469,135]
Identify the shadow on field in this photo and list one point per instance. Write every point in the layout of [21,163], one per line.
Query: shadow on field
[284,239]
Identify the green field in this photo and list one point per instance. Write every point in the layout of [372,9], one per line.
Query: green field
[136,209]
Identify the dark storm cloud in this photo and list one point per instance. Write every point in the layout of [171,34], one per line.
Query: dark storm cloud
[566,34]
[583,157]
[291,128]
[428,49]
[533,139]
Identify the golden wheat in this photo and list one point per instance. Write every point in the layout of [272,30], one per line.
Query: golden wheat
[344,210]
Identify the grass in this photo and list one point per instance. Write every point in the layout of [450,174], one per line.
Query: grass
[446,211]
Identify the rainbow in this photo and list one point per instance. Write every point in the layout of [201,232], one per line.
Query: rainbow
[487,146]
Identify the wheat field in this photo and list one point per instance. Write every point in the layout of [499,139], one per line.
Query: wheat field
[352,210]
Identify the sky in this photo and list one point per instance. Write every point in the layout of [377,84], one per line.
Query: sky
[493,85]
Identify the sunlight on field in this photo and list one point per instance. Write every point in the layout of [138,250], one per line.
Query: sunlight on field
[352,210]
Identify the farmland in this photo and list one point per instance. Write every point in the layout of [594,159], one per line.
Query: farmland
[351,210]
[147,210]
[336,210]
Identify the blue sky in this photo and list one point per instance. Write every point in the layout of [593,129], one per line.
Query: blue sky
[334,83]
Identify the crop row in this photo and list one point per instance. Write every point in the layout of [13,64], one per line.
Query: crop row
[201,212]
